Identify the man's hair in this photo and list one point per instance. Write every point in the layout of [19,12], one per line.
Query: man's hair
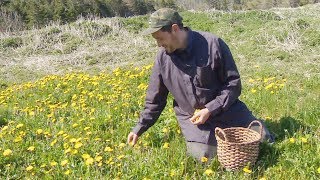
[167,28]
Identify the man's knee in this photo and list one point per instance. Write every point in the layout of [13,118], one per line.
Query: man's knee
[199,150]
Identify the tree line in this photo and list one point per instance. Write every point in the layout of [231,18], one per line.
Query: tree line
[29,13]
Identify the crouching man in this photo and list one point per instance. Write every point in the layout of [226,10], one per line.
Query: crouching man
[198,69]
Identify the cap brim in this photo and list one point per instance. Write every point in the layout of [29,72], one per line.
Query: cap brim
[150,31]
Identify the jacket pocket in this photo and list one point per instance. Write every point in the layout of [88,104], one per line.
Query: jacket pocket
[205,95]
[205,77]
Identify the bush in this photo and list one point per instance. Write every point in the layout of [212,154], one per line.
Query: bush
[72,45]
[91,29]
[302,24]
[135,24]
[11,42]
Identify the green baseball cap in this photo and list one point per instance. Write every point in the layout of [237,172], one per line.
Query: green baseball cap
[161,18]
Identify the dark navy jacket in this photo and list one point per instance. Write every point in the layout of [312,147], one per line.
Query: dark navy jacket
[203,75]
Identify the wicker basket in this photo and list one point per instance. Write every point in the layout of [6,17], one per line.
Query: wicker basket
[238,146]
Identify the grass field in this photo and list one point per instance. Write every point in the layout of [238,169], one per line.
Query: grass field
[70,94]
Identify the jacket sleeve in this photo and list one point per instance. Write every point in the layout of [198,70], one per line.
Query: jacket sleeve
[229,78]
[155,102]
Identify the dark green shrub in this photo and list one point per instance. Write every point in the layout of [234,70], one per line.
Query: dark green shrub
[72,45]
[92,30]
[11,42]
[302,24]
[135,24]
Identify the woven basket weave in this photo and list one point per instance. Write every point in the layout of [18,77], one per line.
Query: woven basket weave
[238,146]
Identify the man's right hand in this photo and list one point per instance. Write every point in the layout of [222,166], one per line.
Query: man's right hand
[132,139]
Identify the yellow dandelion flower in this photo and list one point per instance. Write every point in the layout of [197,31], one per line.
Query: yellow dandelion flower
[50,115]
[267,118]
[60,133]
[121,145]
[100,164]
[172,173]
[269,86]
[208,172]
[78,145]
[67,172]
[75,125]
[120,157]
[39,131]
[47,172]
[64,162]
[67,151]
[204,159]
[304,140]
[165,130]
[4,128]
[251,80]
[247,170]
[85,156]
[19,126]
[318,170]
[18,139]
[89,161]
[262,178]
[72,140]
[53,142]
[86,128]
[253,90]
[7,152]
[29,168]
[165,145]
[98,158]
[74,151]
[292,140]
[108,149]
[31,148]
[53,163]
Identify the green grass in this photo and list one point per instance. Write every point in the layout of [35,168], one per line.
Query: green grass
[56,97]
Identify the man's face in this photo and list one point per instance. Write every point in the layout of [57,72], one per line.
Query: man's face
[166,40]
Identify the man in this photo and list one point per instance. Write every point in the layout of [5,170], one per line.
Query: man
[197,68]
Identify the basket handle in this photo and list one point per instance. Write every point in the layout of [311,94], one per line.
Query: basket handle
[260,126]
[219,130]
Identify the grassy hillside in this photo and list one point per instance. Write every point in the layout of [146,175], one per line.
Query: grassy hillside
[70,95]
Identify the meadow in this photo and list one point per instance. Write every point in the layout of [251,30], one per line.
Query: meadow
[70,94]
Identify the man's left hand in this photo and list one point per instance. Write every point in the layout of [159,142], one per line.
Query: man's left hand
[200,117]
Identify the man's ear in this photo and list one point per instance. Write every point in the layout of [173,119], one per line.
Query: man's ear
[175,28]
